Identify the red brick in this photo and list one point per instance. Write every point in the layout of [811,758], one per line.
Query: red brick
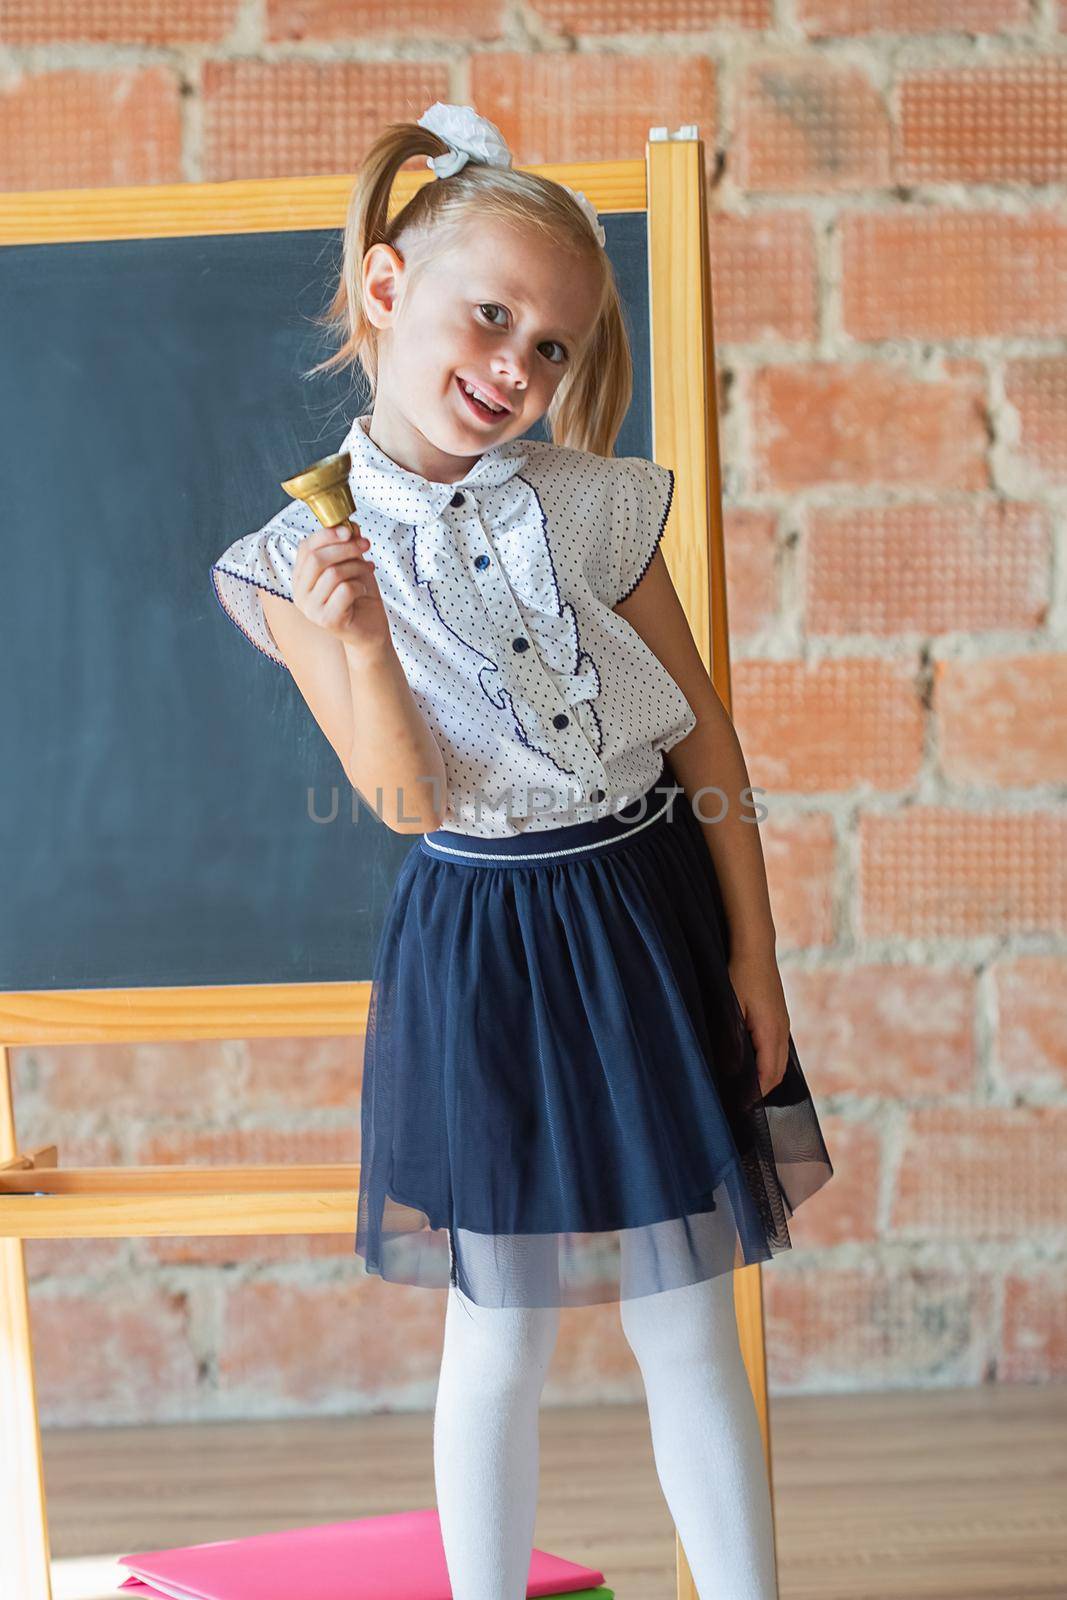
[945,872]
[147,22]
[812,727]
[1034,1340]
[926,568]
[846,1210]
[1003,719]
[981,1172]
[138,1080]
[560,106]
[882,1029]
[809,125]
[799,852]
[272,119]
[62,1259]
[751,581]
[309,1342]
[117,1356]
[69,129]
[237,1147]
[821,18]
[763,277]
[876,1326]
[939,274]
[228,1250]
[592,1360]
[303,1074]
[999,124]
[866,424]
[75,1147]
[202,1076]
[1037,388]
[422,19]
[1030,1042]
[633,16]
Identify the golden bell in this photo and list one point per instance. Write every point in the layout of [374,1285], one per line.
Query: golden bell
[324,488]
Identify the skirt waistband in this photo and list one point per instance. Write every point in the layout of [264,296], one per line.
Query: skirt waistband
[648,810]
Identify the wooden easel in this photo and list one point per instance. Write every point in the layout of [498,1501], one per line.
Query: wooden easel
[38,1199]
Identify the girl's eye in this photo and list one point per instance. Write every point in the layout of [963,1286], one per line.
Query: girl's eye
[489,305]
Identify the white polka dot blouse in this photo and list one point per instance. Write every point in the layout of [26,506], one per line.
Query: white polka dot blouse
[547,706]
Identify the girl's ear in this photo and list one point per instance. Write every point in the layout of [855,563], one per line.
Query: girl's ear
[383,268]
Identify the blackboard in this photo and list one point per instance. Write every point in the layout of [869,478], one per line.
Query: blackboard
[170,813]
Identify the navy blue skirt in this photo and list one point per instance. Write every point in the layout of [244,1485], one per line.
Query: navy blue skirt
[560,1099]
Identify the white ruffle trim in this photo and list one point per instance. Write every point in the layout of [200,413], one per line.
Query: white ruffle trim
[262,560]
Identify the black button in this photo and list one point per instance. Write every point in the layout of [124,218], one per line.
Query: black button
[481,561]
[596,796]
[520,644]
[457,498]
[560,721]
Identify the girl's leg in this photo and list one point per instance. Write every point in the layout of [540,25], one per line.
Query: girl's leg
[706,1436]
[485,1442]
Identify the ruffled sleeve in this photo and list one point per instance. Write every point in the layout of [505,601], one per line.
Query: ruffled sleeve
[261,560]
[643,491]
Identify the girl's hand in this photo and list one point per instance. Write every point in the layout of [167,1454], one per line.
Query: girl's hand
[334,585]
[758,986]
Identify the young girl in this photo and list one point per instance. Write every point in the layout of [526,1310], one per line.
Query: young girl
[579,1081]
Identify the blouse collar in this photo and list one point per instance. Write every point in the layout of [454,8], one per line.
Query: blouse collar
[377,481]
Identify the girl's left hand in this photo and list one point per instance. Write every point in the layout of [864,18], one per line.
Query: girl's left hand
[758,986]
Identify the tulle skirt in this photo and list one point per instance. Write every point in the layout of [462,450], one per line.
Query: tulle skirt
[560,1100]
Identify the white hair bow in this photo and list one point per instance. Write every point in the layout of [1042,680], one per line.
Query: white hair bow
[471,137]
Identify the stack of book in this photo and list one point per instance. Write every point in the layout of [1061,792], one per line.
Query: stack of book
[398,1556]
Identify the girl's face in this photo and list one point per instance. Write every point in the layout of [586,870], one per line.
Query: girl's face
[503,310]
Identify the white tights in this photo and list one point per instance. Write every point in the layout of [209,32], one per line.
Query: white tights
[706,1439]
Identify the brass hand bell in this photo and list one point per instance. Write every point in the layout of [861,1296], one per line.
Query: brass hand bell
[324,488]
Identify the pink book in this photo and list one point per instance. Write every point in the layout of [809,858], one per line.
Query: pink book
[398,1556]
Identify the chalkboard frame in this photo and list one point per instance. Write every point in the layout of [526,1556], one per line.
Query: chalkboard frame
[669,185]
[37,1199]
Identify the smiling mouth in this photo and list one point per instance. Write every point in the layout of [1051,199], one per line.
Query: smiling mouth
[483,413]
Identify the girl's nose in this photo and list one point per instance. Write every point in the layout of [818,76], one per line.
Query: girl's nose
[512,373]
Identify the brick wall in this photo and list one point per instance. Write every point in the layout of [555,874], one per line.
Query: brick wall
[889,242]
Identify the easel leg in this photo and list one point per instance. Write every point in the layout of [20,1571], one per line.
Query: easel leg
[23,1518]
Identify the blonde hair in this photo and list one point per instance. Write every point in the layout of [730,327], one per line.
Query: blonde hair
[588,407]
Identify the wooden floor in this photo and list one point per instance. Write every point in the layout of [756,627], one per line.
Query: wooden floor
[928,1495]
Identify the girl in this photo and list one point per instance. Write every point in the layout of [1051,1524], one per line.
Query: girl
[579,1080]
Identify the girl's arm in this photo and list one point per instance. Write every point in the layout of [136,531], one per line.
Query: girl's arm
[710,757]
[387,744]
